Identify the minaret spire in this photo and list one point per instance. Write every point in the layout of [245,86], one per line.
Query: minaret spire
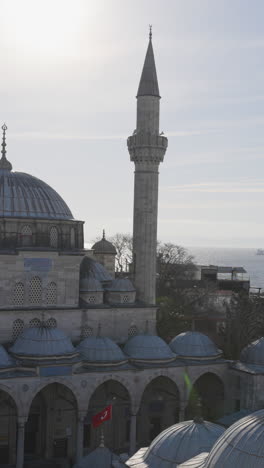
[148,85]
[4,163]
[147,148]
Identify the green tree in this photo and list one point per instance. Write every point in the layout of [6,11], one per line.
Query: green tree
[244,323]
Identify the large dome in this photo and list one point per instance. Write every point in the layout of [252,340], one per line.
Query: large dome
[178,443]
[194,345]
[25,196]
[242,445]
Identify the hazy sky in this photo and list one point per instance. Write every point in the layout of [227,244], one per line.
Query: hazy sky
[69,72]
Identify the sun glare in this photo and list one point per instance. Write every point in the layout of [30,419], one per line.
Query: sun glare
[50,27]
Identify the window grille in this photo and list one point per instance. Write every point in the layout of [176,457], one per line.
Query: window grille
[18,294]
[54,237]
[87,331]
[51,323]
[35,322]
[35,291]
[91,299]
[26,236]
[51,294]
[133,330]
[125,299]
[18,327]
[72,240]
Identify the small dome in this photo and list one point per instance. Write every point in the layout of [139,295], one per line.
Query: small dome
[194,345]
[5,359]
[38,342]
[148,347]
[121,285]
[242,444]
[92,269]
[104,246]
[100,350]
[89,284]
[254,353]
[179,443]
[101,457]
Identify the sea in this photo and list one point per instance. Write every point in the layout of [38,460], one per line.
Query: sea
[234,257]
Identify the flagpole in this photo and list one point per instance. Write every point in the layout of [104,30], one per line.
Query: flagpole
[102,436]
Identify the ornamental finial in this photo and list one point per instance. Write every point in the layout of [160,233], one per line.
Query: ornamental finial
[150,32]
[4,163]
[103,234]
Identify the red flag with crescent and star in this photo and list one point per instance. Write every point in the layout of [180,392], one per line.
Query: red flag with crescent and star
[103,416]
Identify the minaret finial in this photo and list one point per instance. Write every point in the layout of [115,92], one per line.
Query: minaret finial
[103,234]
[4,163]
[150,32]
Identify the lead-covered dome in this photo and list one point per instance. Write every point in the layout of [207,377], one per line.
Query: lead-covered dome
[42,342]
[25,196]
[148,348]
[5,359]
[254,353]
[177,444]
[100,350]
[241,445]
[194,345]
[103,246]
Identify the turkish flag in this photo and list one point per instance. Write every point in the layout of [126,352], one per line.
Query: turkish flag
[103,416]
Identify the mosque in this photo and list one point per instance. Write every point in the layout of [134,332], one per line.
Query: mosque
[74,338]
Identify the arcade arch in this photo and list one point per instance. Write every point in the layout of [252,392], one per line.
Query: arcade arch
[158,410]
[207,392]
[8,429]
[117,430]
[50,431]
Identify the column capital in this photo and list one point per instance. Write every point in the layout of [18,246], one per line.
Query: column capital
[81,415]
[21,421]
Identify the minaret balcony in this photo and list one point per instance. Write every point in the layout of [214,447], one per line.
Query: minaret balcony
[146,147]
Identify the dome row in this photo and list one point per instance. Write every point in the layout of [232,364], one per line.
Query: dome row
[242,444]
[40,342]
[201,444]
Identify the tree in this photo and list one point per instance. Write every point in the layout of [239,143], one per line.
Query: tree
[173,264]
[124,250]
[244,323]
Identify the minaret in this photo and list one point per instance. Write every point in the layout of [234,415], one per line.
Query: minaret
[147,148]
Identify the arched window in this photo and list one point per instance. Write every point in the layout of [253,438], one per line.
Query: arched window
[26,236]
[18,294]
[54,237]
[18,327]
[35,291]
[51,323]
[51,298]
[72,240]
[35,322]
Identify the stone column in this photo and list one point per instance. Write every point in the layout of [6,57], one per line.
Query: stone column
[79,441]
[182,412]
[20,442]
[133,434]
